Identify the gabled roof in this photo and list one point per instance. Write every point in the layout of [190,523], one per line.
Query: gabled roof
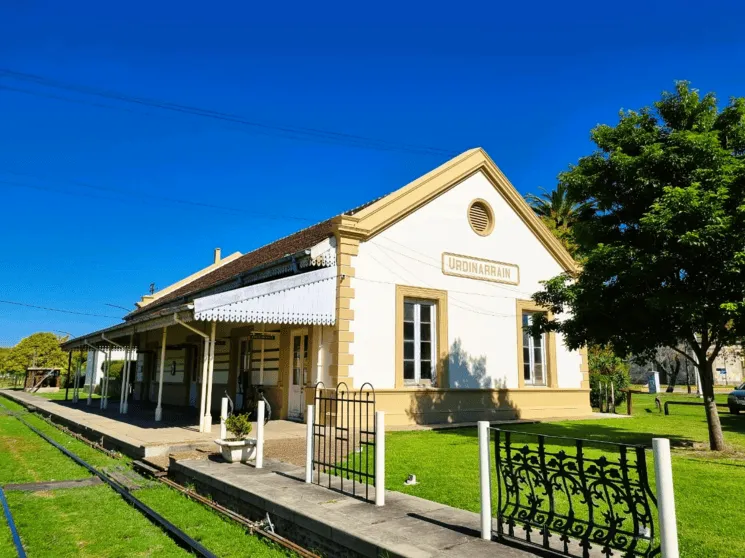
[372,217]
[375,217]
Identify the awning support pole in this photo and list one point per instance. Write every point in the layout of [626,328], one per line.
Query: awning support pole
[210,372]
[205,360]
[127,371]
[108,371]
[69,371]
[76,388]
[105,380]
[93,373]
[124,379]
[159,408]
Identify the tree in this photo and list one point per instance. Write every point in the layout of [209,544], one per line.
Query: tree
[39,349]
[664,243]
[558,213]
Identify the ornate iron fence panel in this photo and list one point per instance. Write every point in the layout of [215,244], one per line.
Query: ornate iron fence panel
[344,439]
[567,496]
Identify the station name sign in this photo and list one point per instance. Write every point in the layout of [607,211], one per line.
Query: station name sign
[480,269]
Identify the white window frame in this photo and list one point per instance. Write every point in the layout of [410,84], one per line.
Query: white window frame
[531,353]
[418,303]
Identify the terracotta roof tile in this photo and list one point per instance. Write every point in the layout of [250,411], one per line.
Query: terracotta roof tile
[301,240]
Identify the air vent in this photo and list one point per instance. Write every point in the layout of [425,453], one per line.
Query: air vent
[480,217]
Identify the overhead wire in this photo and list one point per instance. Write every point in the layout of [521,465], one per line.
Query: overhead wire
[344,138]
[16,303]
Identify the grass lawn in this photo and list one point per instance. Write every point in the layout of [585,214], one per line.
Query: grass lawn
[709,518]
[95,521]
[60,395]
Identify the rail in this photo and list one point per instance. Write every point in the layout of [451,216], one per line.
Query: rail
[171,530]
[689,403]
[11,524]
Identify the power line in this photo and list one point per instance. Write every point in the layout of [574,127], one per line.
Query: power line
[15,303]
[141,195]
[297,132]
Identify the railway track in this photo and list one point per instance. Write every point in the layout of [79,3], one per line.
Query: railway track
[179,536]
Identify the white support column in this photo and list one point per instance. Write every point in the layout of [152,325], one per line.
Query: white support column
[663,472]
[309,419]
[485,479]
[203,387]
[127,371]
[260,410]
[92,357]
[76,384]
[105,381]
[223,418]
[124,379]
[159,408]
[210,371]
[380,458]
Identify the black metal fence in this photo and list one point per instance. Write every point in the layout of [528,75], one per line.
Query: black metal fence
[344,439]
[576,497]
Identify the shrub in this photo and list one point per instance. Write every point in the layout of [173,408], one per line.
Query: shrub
[239,425]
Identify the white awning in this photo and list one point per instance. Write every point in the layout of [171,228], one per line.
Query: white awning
[306,298]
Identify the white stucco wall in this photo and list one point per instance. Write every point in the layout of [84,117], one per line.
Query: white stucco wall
[482,330]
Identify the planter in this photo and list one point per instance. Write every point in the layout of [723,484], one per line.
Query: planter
[234,451]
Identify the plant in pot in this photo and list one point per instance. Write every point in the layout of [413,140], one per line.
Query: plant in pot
[238,447]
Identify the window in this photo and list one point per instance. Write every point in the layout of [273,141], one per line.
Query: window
[420,353]
[534,354]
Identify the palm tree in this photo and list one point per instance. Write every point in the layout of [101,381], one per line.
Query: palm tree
[556,207]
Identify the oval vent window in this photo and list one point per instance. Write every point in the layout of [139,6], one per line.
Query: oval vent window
[480,217]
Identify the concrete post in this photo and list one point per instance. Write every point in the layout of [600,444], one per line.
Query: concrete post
[159,408]
[309,417]
[663,472]
[223,418]
[485,479]
[379,458]
[210,371]
[260,413]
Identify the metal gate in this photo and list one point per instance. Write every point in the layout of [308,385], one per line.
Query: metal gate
[344,435]
[586,498]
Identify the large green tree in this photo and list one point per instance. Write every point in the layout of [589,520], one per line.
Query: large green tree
[38,349]
[664,246]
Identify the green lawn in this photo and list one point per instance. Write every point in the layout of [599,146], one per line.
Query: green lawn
[709,518]
[60,395]
[95,521]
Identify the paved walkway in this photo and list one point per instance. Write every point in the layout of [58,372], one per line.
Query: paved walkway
[138,434]
[406,526]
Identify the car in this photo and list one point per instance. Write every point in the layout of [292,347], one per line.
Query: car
[736,400]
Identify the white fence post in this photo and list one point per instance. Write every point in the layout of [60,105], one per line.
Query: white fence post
[223,418]
[309,419]
[260,435]
[379,458]
[485,479]
[663,473]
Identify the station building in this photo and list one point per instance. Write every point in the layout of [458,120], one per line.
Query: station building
[422,294]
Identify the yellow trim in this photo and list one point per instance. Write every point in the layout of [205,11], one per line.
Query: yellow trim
[341,355]
[490,213]
[551,375]
[441,298]
[411,406]
[392,208]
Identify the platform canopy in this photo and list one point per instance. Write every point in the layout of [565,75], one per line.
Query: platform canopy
[306,298]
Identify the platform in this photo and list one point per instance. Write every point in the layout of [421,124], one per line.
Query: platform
[137,434]
[339,524]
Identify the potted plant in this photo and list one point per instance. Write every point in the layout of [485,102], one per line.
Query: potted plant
[239,447]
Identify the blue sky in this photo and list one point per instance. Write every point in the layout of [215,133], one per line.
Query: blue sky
[526,81]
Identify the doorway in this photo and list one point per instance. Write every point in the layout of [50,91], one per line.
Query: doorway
[299,367]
